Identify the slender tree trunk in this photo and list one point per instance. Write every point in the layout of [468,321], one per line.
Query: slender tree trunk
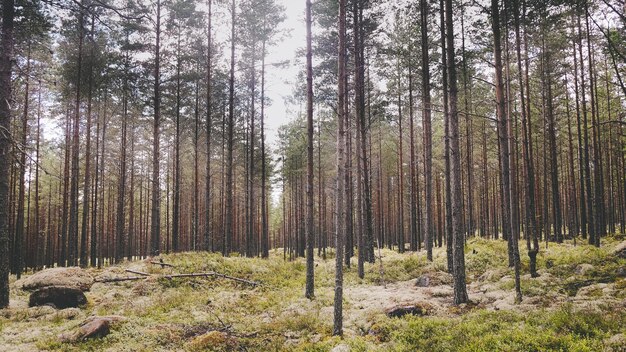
[155,228]
[18,247]
[6,63]
[341,210]
[87,181]
[460,290]
[531,226]
[310,236]
[228,222]
[208,243]
[428,144]
[73,224]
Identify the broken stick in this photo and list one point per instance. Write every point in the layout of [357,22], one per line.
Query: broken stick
[137,272]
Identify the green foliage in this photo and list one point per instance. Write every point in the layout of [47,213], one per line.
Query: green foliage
[562,330]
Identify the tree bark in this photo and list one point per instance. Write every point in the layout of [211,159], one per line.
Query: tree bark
[310,236]
[460,290]
[6,63]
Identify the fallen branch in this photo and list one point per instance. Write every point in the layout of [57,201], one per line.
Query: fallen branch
[214,274]
[169,277]
[163,264]
[137,272]
[120,279]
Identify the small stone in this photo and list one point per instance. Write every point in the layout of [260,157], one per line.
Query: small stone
[60,297]
[621,271]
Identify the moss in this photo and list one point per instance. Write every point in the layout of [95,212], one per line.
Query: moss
[562,330]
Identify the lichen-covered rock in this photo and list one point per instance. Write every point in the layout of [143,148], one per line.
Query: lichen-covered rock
[95,328]
[583,269]
[59,297]
[436,278]
[67,277]
[620,250]
[40,311]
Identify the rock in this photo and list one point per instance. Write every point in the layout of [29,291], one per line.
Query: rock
[620,250]
[95,328]
[67,277]
[422,281]
[621,271]
[436,278]
[69,313]
[60,297]
[341,348]
[40,311]
[583,269]
[419,309]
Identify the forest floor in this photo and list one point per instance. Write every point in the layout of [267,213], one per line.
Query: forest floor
[577,304]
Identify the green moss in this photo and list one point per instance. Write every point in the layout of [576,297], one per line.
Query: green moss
[561,330]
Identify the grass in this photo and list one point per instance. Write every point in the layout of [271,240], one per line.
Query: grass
[221,315]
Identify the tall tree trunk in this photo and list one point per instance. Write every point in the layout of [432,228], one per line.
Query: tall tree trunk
[6,63]
[310,236]
[504,148]
[341,186]
[446,153]
[428,144]
[228,221]
[18,247]
[87,181]
[458,255]
[265,245]
[531,219]
[208,239]
[73,225]
[155,225]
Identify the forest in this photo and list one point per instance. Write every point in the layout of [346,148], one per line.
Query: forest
[449,175]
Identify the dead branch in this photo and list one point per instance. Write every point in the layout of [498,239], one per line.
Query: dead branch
[163,264]
[173,276]
[120,279]
[213,274]
[137,272]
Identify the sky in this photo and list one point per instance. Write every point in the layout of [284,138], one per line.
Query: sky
[280,80]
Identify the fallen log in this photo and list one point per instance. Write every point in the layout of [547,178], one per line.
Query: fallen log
[120,279]
[214,274]
[137,272]
[174,276]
